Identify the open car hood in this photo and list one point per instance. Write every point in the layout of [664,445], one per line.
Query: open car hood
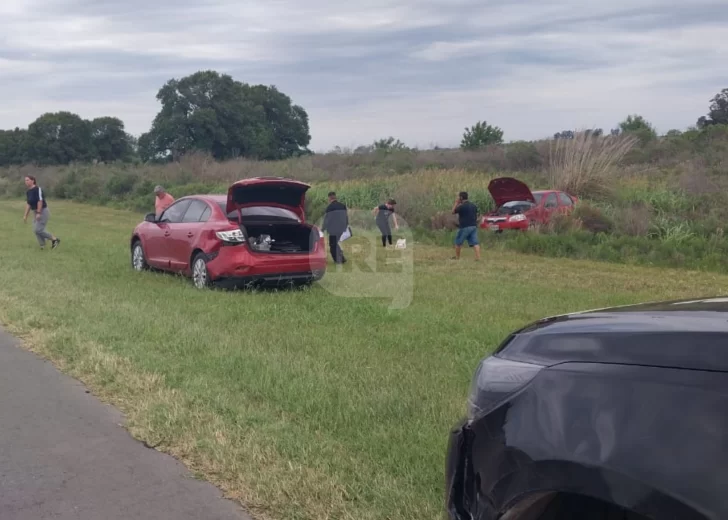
[507,189]
[268,191]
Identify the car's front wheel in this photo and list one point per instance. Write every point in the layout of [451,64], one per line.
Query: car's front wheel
[200,274]
[138,260]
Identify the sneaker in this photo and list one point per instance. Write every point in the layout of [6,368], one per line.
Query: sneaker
[55,243]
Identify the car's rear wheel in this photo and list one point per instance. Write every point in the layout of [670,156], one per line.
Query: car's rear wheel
[200,274]
[138,260]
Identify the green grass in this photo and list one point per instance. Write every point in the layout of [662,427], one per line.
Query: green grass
[300,404]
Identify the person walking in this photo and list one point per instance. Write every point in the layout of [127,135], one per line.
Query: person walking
[383,212]
[36,202]
[336,221]
[467,213]
[162,200]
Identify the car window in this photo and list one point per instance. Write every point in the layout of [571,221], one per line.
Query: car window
[206,214]
[174,213]
[261,212]
[551,201]
[565,199]
[195,211]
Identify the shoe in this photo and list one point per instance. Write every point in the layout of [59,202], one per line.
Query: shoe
[55,243]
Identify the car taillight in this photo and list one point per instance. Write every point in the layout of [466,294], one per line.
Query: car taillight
[495,380]
[231,236]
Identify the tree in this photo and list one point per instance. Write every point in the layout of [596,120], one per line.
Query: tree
[481,134]
[59,138]
[110,141]
[639,127]
[718,112]
[594,132]
[12,146]
[211,112]
[570,134]
[390,144]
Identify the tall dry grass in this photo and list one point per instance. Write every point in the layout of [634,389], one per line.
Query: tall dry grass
[584,165]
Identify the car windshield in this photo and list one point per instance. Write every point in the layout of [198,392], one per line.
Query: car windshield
[258,212]
[538,196]
[514,206]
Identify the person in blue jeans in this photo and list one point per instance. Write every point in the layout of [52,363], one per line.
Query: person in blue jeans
[467,213]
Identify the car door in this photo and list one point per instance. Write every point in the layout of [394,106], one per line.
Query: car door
[184,236]
[566,204]
[550,205]
[162,247]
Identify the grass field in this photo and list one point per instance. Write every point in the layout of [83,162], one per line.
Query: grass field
[301,404]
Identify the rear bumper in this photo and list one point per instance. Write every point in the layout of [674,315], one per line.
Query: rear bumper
[270,280]
[238,265]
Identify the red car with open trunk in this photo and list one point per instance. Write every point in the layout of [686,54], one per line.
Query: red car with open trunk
[518,208]
[255,235]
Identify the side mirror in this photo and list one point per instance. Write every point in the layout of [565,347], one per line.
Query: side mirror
[150,217]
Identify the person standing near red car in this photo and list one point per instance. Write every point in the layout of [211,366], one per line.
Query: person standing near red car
[467,224]
[162,200]
[336,222]
[382,213]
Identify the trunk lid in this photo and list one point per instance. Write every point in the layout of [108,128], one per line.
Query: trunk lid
[508,189]
[268,191]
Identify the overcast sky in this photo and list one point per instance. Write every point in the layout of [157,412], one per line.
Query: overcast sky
[419,70]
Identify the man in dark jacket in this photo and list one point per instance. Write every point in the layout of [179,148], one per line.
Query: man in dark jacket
[467,213]
[336,220]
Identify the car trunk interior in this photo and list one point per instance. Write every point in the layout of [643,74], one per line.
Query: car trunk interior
[280,238]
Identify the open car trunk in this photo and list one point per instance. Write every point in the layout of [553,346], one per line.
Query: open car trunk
[271,214]
[280,237]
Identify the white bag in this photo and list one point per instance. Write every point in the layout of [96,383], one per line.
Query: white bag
[401,243]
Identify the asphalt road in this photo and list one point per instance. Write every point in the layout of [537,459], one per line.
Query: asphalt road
[64,455]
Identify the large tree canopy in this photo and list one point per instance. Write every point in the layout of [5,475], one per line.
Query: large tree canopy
[64,137]
[718,112]
[110,140]
[211,112]
[59,138]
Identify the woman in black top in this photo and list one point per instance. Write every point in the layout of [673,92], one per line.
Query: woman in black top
[383,212]
[36,202]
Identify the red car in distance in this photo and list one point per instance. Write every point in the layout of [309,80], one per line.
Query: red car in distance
[255,235]
[518,208]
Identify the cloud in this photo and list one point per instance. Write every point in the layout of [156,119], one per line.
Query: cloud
[420,70]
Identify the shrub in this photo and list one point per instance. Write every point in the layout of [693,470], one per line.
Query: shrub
[443,220]
[561,224]
[633,220]
[121,184]
[523,155]
[585,165]
[592,219]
